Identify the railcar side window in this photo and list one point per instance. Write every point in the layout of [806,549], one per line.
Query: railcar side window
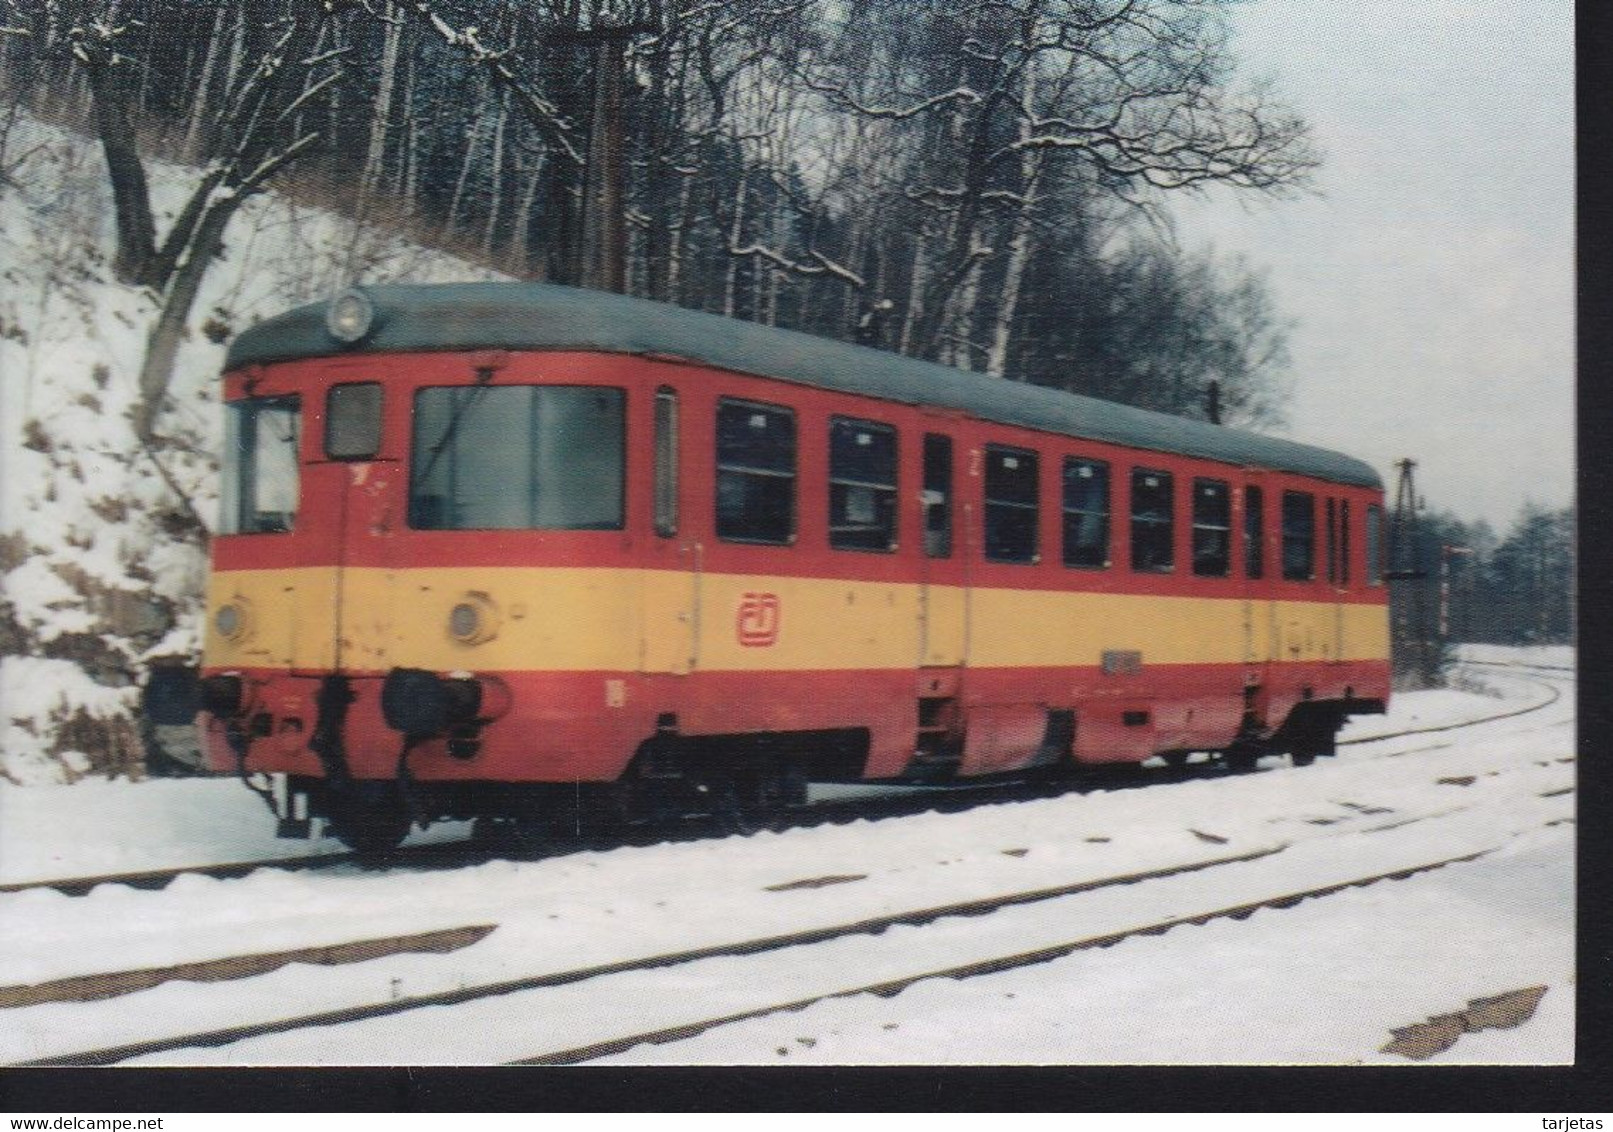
[1152,525]
[262,470]
[517,457]
[1344,542]
[1212,528]
[1374,545]
[937,495]
[1012,514]
[1086,513]
[862,485]
[353,421]
[1299,536]
[1254,532]
[666,462]
[755,472]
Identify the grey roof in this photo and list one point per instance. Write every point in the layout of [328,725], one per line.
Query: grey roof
[537,316]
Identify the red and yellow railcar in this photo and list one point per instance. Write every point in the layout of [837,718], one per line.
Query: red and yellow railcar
[488,549]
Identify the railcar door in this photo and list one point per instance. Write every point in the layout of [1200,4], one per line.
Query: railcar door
[363,492]
[1338,572]
[1260,627]
[943,610]
[943,587]
[671,577]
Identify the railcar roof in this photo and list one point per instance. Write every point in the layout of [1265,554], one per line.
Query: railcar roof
[538,316]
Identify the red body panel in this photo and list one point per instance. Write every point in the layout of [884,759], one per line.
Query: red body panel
[558,728]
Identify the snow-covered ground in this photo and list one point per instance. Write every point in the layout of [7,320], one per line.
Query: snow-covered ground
[1324,981]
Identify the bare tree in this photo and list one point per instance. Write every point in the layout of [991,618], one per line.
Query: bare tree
[985,95]
[265,123]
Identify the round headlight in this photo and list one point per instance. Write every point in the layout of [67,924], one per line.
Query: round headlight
[473,619]
[231,621]
[464,621]
[350,315]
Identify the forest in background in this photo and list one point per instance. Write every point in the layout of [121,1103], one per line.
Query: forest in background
[983,184]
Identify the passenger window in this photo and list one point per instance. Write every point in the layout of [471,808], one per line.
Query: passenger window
[862,485]
[1254,532]
[1086,513]
[1012,513]
[353,421]
[262,466]
[1299,536]
[1212,528]
[937,495]
[755,472]
[666,462]
[1152,521]
[1374,545]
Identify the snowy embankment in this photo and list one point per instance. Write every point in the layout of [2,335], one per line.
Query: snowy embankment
[1537,656]
[1324,981]
[94,583]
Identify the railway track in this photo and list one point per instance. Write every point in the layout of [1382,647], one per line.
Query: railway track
[1301,862]
[1033,929]
[989,966]
[454,855]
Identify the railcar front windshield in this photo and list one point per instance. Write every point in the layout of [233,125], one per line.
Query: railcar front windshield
[517,457]
[261,480]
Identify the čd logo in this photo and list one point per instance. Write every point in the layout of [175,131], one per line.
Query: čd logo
[758,620]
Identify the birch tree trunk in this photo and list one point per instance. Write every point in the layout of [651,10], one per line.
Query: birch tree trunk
[496,203]
[736,236]
[450,219]
[201,110]
[1019,242]
[917,285]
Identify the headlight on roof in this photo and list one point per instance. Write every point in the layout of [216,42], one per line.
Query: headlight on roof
[350,315]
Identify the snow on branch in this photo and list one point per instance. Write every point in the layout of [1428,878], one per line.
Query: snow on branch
[542,112]
[272,164]
[295,105]
[821,266]
[961,95]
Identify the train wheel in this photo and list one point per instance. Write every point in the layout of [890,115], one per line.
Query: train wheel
[1318,738]
[733,812]
[522,838]
[371,819]
[1243,756]
[655,792]
[755,798]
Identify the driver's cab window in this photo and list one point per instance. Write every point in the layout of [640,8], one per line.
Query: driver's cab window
[262,470]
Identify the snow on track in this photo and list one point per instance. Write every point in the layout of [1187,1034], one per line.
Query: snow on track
[1324,982]
[541,1021]
[594,907]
